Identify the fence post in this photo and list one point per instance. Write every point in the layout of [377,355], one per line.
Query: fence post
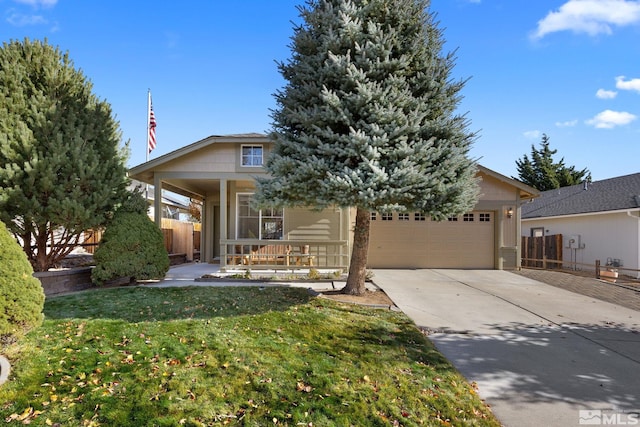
[597,269]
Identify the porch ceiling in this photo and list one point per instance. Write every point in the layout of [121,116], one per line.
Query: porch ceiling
[196,188]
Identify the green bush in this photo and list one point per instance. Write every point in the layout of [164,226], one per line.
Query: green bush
[21,294]
[132,246]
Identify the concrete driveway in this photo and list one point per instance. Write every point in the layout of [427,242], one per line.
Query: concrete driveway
[540,355]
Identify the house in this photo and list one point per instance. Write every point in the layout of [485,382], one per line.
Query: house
[173,206]
[598,221]
[220,171]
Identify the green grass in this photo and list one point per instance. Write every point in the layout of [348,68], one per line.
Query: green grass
[229,356]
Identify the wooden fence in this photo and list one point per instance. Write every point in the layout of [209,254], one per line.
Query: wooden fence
[180,237]
[91,240]
[542,252]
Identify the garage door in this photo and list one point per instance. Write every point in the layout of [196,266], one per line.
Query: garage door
[413,241]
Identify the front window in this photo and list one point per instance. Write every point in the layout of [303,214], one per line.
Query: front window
[271,224]
[251,155]
[257,224]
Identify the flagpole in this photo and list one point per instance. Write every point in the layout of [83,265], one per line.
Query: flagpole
[148,121]
[146,195]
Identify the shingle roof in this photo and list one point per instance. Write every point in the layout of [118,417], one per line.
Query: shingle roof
[600,196]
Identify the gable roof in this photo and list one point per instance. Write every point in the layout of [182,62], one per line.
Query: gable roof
[525,191]
[614,194]
[143,171]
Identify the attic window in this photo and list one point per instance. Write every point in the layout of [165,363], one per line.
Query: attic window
[252,155]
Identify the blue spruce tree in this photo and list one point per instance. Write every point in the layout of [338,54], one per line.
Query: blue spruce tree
[368,119]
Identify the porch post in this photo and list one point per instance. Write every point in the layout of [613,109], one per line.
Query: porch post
[157,200]
[223,222]
[204,252]
[208,222]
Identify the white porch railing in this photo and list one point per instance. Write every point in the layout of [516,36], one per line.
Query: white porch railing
[284,254]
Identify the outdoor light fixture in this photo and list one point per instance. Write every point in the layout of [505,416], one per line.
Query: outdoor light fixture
[509,212]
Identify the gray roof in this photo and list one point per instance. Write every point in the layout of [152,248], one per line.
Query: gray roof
[612,194]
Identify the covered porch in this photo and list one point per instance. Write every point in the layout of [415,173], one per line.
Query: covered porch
[217,172]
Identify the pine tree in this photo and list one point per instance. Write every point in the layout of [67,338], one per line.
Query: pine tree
[61,170]
[367,119]
[542,173]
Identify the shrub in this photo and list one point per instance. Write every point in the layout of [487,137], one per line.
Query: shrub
[21,294]
[132,246]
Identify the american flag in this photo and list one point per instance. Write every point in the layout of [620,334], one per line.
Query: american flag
[151,140]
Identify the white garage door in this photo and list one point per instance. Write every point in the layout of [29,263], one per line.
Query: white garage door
[413,241]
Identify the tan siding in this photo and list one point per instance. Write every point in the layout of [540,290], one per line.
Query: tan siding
[305,224]
[493,189]
[509,230]
[216,158]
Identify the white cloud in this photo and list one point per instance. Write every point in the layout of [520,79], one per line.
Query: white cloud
[609,119]
[567,124]
[532,134]
[622,84]
[589,16]
[21,20]
[38,3]
[606,94]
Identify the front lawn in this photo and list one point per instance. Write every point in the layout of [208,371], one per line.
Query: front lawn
[246,356]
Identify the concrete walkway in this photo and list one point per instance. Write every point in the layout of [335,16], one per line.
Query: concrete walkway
[540,355]
[186,275]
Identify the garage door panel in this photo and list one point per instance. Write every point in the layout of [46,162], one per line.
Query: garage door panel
[431,244]
[388,246]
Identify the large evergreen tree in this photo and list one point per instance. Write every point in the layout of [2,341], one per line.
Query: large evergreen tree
[543,173]
[61,168]
[367,118]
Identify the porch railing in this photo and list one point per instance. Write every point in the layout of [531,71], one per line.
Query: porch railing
[284,254]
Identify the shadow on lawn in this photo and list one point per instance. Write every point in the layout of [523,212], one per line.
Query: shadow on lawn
[578,363]
[143,304]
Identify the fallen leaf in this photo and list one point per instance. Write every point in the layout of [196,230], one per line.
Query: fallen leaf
[300,386]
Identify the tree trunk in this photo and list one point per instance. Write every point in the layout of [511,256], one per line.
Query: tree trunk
[358,268]
[39,259]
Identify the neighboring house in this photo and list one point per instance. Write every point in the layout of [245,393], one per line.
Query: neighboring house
[598,221]
[220,171]
[173,206]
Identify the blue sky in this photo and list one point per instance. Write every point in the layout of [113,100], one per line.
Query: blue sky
[567,68]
